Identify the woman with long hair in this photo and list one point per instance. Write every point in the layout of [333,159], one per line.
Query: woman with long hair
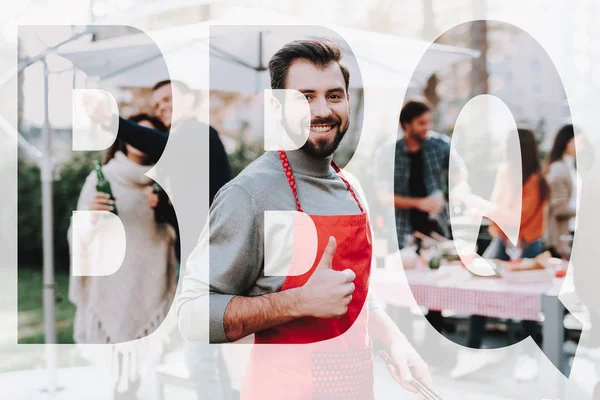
[562,178]
[133,301]
[534,199]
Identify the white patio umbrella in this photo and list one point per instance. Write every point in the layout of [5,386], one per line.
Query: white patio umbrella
[239,54]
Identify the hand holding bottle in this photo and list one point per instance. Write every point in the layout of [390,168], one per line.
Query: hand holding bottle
[103,188]
[102,202]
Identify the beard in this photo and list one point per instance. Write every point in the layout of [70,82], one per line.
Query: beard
[418,138]
[321,147]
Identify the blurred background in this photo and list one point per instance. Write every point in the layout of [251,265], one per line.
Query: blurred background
[511,65]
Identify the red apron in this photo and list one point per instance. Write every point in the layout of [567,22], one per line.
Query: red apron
[316,358]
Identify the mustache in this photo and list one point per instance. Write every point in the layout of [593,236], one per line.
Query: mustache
[325,121]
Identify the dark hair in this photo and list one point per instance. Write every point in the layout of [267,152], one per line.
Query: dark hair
[156,122]
[119,144]
[182,87]
[411,110]
[320,53]
[530,161]
[561,140]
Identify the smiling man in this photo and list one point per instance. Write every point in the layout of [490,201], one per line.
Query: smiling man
[329,114]
[317,321]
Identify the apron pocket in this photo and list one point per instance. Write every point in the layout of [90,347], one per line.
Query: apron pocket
[343,375]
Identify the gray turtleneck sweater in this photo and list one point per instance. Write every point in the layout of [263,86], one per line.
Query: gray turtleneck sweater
[237,236]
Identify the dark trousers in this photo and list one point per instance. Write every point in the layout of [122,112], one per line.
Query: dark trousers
[497,250]
[477,330]
[436,320]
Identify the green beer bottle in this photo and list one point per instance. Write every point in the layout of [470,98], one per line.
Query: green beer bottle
[103,185]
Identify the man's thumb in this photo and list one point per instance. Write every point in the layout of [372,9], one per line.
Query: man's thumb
[328,254]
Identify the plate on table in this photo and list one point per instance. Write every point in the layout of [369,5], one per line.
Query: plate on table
[529,276]
[482,265]
[530,270]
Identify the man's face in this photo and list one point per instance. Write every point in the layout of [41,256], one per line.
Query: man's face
[162,104]
[417,129]
[325,91]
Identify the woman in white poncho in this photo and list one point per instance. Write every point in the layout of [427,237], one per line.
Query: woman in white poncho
[133,301]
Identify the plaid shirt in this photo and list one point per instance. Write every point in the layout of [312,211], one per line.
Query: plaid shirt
[436,161]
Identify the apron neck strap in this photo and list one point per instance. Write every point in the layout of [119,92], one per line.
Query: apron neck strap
[292,182]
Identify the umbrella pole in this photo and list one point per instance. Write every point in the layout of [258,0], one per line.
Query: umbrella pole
[48,241]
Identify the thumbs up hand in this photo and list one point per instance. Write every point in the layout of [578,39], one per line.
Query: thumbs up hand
[327,293]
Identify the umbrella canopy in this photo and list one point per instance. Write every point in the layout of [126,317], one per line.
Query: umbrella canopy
[225,55]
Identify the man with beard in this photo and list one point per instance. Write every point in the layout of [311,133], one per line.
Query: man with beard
[311,325]
[422,157]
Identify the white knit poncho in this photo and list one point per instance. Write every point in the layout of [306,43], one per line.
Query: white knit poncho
[135,300]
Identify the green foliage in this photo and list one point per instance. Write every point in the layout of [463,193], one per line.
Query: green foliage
[31,310]
[65,194]
[29,220]
[244,155]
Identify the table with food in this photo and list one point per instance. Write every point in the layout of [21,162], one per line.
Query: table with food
[437,279]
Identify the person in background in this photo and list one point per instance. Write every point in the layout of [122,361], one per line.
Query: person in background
[422,159]
[153,141]
[162,104]
[202,359]
[132,302]
[534,199]
[561,175]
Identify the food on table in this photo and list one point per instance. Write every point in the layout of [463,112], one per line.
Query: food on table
[435,262]
[409,258]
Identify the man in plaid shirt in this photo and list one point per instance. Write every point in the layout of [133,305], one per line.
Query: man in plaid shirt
[420,175]
[422,159]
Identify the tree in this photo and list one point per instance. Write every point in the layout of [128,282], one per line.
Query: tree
[479,41]
[479,85]
[429,31]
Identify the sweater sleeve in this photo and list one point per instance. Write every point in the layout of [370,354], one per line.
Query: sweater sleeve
[148,140]
[560,193]
[232,267]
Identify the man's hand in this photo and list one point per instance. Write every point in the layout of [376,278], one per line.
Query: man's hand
[408,364]
[327,293]
[427,204]
[98,108]
[433,204]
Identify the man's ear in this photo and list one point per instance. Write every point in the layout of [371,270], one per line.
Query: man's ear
[277,106]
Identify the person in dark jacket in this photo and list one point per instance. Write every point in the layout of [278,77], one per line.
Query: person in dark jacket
[153,143]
